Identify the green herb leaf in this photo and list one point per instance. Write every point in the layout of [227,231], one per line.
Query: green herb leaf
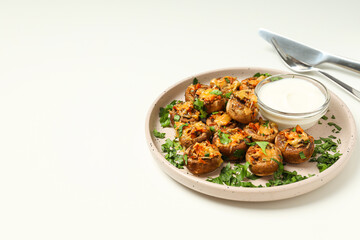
[224,138]
[164,113]
[279,171]
[302,155]
[248,142]
[322,155]
[335,125]
[261,74]
[176,118]
[186,159]
[171,148]
[324,117]
[199,105]
[216,92]
[228,95]
[158,134]
[195,81]
[180,129]
[266,123]
[235,176]
[262,145]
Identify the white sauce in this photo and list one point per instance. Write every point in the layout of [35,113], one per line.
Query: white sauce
[292,95]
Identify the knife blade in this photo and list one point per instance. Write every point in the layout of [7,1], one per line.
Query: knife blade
[308,54]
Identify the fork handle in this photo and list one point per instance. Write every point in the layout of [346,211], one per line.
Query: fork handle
[350,89]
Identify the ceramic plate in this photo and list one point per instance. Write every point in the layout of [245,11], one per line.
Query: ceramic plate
[337,108]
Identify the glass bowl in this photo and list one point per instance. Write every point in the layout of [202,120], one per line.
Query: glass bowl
[287,119]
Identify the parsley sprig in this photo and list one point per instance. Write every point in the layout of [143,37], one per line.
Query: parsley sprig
[171,149]
[235,176]
[199,105]
[164,113]
[322,153]
[283,177]
[158,134]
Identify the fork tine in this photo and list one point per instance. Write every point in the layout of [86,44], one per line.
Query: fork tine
[286,57]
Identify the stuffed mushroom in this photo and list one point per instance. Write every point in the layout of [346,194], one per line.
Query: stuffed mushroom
[220,120]
[202,158]
[226,84]
[231,143]
[251,82]
[193,91]
[295,144]
[243,106]
[213,100]
[263,162]
[194,132]
[262,130]
[184,112]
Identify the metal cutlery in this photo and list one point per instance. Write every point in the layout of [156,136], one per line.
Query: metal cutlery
[299,66]
[311,56]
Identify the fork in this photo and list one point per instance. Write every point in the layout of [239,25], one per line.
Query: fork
[300,66]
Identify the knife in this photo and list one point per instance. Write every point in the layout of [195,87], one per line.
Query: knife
[307,54]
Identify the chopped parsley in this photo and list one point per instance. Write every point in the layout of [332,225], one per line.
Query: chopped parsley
[266,123]
[234,176]
[335,125]
[158,134]
[324,117]
[180,129]
[302,155]
[216,92]
[322,153]
[176,118]
[224,138]
[228,95]
[171,149]
[262,145]
[287,177]
[164,113]
[199,105]
[261,74]
[195,81]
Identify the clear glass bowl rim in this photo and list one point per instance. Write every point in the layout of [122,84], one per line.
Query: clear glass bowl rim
[322,108]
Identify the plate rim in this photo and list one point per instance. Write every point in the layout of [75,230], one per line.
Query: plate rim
[193,182]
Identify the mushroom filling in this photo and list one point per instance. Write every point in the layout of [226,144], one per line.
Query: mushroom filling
[186,110]
[203,151]
[247,100]
[297,137]
[262,128]
[209,95]
[194,130]
[226,84]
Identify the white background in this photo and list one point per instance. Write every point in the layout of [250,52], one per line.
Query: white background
[76,81]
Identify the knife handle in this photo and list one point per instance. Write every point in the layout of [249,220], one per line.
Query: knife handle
[344,62]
